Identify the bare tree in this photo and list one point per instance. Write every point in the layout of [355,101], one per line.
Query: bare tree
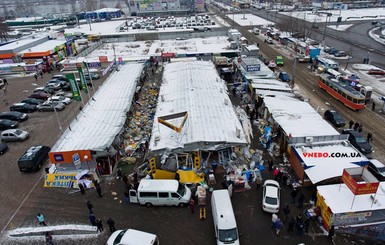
[4,29]
[73,8]
[54,10]
[90,5]
[5,13]
[118,6]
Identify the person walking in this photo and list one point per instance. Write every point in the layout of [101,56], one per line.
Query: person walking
[191,205]
[307,225]
[360,128]
[5,81]
[290,229]
[99,225]
[258,181]
[351,123]
[35,76]
[48,238]
[92,219]
[373,106]
[278,226]
[356,125]
[301,198]
[90,206]
[293,195]
[98,188]
[331,233]
[82,190]
[41,219]
[286,212]
[270,162]
[214,165]
[127,196]
[111,224]
[369,138]
[276,173]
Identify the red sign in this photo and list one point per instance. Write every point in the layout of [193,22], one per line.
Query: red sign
[359,188]
[168,55]
[103,59]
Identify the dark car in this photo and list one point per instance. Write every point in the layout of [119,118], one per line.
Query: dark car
[334,118]
[3,148]
[8,124]
[358,141]
[340,54]
[23,107]
[32,101]
[33,158]
[40,96]
[14,116]
[376,72]
[331,50]
[377,169]
[284,77]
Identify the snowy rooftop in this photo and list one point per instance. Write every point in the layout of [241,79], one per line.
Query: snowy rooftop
[248,19]
[43,47]
[106,27]
[264,71]
[195,87]
[323,168]
[277,94]
[340,198]
[106,10]
[270,84]
[298,118]
[103,118]
[21,42]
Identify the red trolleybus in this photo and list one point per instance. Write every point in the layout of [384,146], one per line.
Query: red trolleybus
[342,91]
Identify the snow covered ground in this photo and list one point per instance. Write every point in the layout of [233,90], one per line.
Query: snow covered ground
[249,20]
[339,27]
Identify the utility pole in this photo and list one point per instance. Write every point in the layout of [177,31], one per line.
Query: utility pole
[294,70]
[326,23]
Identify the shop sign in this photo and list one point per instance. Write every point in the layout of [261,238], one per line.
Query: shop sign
[59,180]
[74,86]
[103,59]
[168,55]
[358,188]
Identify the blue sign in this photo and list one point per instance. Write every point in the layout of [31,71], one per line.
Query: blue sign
[256,67]
[58,157]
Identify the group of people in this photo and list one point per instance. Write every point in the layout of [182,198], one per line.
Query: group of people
[97,186]
[358,127]
[97,221]
[297,224]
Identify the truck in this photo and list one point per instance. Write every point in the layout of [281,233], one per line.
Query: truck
[234,34]
[221,61]
[256,31]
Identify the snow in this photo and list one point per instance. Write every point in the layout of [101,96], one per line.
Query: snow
[98,28]
[347,15]
[22,42]
[43,47]
[323,168]
[103,118]
[211,120]
[298,118]
[340,27]
[106,10]
[249,20]
[339,198]
[375,81]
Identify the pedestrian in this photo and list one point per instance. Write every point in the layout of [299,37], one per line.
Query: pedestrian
[307,224]
[111,224]
[99,225]
[276,173]
[119,174]
[82,190]
[90,206]
[351,123]
[5,81]
[331,233]
[258,181]
[279,177]
[270,162]
[360,128]
[41,74]
[373,106]
[234,91]
[100,169]
[35,76]
[98,188]
[274,218]
[5,90]
[284,179]
[191,205]
[214,165]
[247,109]
[300,226]
[356,125]
[300,200]
[290,229]
[286,212]
[127,196]
[369,138]
[125,178]
[48,238]
[293,195]
[92,219]
[278,226]
[153,72]
[40,219]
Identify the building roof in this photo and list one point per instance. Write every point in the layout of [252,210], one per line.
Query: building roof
[101,120]
[340,199]
[322,168]
[24,41]
[107,10]
[212,123]
[43,47]
[298,118]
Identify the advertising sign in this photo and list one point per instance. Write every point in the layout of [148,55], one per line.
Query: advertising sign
[103,59]
[83,83]
[326,214]
[358,188]
[59,180]
[76,160]
[74,86]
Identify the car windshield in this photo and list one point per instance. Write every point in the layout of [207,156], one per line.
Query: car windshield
[271,200]
[181,190]
[360,139]
[18,132]
[228,235]
[119,237]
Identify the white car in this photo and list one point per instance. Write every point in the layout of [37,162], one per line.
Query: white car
[61,99]
[65,94]
[271,196]
[132,236]
[54,86]
[14,135]
[269,40]
[51,106]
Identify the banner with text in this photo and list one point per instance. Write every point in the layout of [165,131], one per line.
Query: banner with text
[83,83]
[74,86]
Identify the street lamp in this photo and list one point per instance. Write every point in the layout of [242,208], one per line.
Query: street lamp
[86,158]
[57,117]
[326,23]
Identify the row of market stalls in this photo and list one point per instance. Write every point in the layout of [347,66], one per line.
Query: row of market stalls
[349,196]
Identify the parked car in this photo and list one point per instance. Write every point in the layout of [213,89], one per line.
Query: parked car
[14,116]
[334,118]
[94,76]
[358,141]
[132,236]
[23,107]
[3,148]
[377,169]
[54,86]
[376,72]
[33,158]
[301,58]
[279,60]
[44,90]
[271,196]
[62,83]
[61,99]
[284,77]
[65,94]
[40,96]
[331,50]
[14,135]
[32,101]
[8,124]
[49,106]
[89,84]
[340,54]
[269,40]
[60,77]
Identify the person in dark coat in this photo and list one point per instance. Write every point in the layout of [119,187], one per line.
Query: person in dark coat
[90,206]
[191,205]
[293,195]
[81,187]
[351,123]
[99,224]
[360,128]
[286,212]
[331,233]
[373,106]
[307,224]
[300,200]
[290,228]
[98,188]
[356,125]
[35,76]
[111,224]
[369,138]
[92,219]
[270,162]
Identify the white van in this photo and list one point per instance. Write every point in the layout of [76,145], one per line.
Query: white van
[161,193]
[226,231]
[256,31]
[132,237]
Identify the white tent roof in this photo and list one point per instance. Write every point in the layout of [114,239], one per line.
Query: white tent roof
[43,47]
[195,87]
[340,199]
[298,118]
[323,168]
[103,118]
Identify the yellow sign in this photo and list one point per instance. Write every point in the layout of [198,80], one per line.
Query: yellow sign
[326,214]
[60,180]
